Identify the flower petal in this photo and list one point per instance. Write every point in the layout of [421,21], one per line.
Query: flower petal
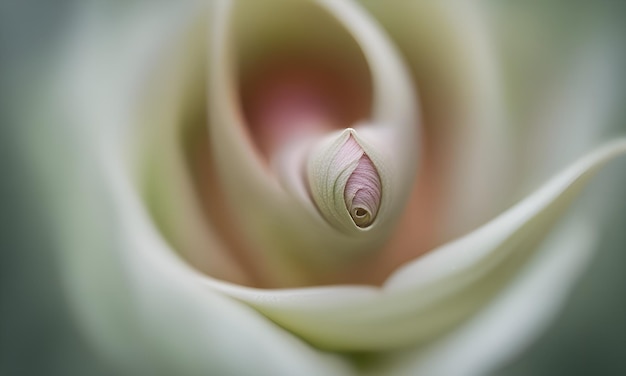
[269,203]
[436,292]
[514,319]
[164,176]
[136,298]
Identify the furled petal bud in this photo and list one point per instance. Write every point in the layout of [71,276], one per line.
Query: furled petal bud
[363,188]
[287,200]
[344,182]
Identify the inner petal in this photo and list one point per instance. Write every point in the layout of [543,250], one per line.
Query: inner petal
[363,189]
[291,90]
[293,96]
[299,73]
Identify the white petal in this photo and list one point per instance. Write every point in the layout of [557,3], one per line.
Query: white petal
[515,318]
[163,172]
[453,58]
[430,295]
[331,165]
[313,246]
[139,301]
[580,101]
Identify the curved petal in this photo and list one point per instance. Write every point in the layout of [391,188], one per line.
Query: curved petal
[267,208]
[434,293]
[164,121]
[465,120]
[516,316]
[134,295]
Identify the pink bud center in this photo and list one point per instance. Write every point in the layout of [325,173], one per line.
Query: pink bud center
[363,188]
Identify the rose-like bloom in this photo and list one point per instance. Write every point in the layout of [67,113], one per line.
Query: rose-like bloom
[272,187]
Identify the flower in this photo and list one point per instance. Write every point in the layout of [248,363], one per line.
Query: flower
[162,277]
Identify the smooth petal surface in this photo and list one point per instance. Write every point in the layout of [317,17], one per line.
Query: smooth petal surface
[514,319]
[313,246]
[436,292]
[468,133]
[130,286]
[334,186]
[468,137]
[136,297]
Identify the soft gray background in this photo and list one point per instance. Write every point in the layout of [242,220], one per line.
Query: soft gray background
[38,335]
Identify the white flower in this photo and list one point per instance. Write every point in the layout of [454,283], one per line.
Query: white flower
[176,211]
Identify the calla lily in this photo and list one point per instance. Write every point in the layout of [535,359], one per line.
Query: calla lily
[202,219]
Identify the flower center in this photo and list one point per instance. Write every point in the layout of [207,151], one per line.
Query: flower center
[363,189]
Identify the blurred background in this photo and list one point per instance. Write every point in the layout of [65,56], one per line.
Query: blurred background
[38,334]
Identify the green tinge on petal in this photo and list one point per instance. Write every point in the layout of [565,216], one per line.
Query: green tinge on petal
[137,300]
[432,294]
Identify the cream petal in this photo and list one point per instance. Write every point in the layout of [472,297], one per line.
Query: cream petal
[453,60]
[271,203]
[514,319]
[136,298]
[330,167]
[125,90]
[163,172]
[432,294]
